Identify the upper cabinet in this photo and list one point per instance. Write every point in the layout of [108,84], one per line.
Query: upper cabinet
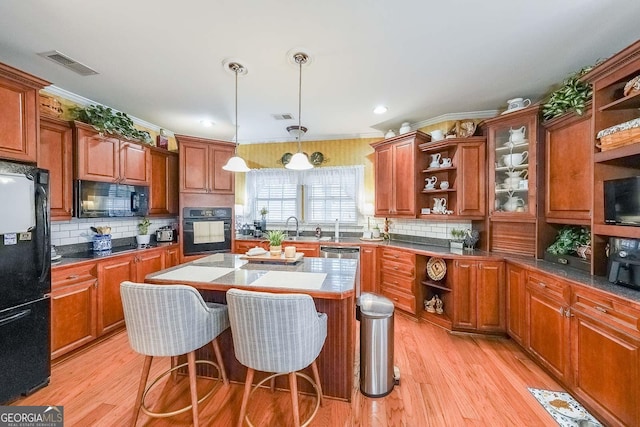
[108,159]
[163,199]
[398,183]
[201,162]
[19,114]
[56,155]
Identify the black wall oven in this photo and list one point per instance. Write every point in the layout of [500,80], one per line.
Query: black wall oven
[206,230]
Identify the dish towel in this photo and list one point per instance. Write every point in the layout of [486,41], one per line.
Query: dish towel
[208,232]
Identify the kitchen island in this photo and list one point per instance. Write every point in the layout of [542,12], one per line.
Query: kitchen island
[331,283]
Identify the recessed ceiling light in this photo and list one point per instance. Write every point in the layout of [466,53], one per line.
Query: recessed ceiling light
[206,123]
[380,109]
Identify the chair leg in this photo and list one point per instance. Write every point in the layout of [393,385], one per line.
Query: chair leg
[272,384]
[143,383]
[216,350]
[248,382]
[174,363]
[293,385]
[316,378]
[191,360]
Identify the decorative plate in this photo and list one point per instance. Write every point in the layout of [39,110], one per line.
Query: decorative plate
[632,85]
[467,129]
[286,158]
[436,268]
[316,158]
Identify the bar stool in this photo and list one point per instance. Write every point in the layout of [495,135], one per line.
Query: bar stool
[172,320]
[279,334]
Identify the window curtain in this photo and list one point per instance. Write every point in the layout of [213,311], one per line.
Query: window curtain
[350,178]
[256,179]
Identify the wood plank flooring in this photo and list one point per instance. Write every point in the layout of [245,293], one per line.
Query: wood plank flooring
[446,380]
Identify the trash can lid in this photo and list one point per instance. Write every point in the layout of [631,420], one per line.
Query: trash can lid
[373,305]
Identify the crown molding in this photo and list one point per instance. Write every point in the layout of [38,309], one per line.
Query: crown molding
[484,114]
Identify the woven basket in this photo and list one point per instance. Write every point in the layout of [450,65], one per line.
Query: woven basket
[620,139]
[50,106]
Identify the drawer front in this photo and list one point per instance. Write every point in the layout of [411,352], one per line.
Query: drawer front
[401,257]
[61,277]
[400,300]
[399,268]
[615,312]
[402,283]
[549,285]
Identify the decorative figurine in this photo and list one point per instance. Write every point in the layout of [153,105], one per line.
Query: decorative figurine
[439,309]
[430,305]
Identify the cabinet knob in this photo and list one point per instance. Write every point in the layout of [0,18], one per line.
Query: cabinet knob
[600,309]
[395,299]
[395,268]
[542,284]
[73,276]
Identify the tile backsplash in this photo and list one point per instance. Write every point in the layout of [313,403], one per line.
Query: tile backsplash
[77,230]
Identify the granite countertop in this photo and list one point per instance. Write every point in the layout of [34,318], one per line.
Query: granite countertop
[89,255]
[325,277]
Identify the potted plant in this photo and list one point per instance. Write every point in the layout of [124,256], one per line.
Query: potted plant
[275,238]
[143,237]
[457,239]
[263,218]
[571,247]
[106,120]
[573,95]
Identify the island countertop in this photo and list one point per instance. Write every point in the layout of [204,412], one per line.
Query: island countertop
[327,278]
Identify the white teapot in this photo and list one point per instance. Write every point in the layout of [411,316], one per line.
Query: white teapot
[513,203]
[439,205]
[430,183]
[435,160]
[516,135]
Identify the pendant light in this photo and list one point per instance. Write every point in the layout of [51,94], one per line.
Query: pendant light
[236,163]
[299,161]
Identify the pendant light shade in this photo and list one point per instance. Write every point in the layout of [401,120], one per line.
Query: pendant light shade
[299,161]
[236,163]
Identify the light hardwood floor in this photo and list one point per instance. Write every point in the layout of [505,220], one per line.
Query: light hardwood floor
[446,380]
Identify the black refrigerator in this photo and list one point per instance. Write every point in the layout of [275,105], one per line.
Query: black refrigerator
[25,280]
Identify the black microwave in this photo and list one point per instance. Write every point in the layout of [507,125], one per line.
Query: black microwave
[106,200]
[622,201]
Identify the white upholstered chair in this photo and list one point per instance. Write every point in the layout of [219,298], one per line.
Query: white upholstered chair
[279,334]
[171,320]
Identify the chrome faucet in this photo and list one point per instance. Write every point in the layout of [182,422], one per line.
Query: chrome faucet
[286,225]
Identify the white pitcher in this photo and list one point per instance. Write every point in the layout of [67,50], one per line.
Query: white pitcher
[439,205]
[430,183]
[516,135]
[435,160]
[513,203]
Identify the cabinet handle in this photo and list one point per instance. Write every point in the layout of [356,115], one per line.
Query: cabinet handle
[395,299]
[73,276]
[542,284]
[568,313]
[600,309]
[395,268]
[95,285]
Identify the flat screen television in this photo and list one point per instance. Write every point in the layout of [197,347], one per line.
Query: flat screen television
[622,201]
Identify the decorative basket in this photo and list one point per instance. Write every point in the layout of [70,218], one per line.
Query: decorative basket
[632,87]
[50,106]
[620,135]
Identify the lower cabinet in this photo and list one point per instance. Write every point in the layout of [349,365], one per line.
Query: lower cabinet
[308,249]
[242,246]
[73,308]
[516,318]
[110,274]
[398,278]
[172,256]
[368,275]
[479,296]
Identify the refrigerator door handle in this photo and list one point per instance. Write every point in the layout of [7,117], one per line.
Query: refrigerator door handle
[14,317]
[45,217]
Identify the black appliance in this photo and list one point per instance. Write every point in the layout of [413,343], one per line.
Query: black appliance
[624,262]
[259,227]
[105,199]
[206,230]
[622,201]
[25,280]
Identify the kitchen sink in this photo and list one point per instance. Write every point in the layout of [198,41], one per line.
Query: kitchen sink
[307,239]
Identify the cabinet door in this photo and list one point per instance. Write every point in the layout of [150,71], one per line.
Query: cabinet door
[110,274]
[404,193]
[194,165]
[221,181]
[173,202]
[73,316]
[308,249]
[55,154]
[368,271]
[490,297]
[148,262]
[97,157]
[471,179]
[242,246]
[568,171]
[135,164]
[606,365]
[464,295]
[383,180]
[18,120]
[515,303]
[548,328]
[172,257]
[164,180]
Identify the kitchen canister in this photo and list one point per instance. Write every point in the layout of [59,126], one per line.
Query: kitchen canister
[101,242]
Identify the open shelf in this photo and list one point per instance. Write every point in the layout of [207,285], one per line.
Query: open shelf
[445,217]
[437,285]
[432,170]
[438,319]
[439,190]
[625,231]
[626,103]
[623,155]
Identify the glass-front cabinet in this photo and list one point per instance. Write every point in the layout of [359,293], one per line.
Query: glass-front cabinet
[513,139]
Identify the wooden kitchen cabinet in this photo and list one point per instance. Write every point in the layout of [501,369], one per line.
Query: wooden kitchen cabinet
[172,256]
[147,262]
[242,246]
[398,278]
[308,249]
[368,271]
[547,318]
[516,316]
[73,308]
[479,296]
[111,273]
[19,114]
[163,198]
[201,162]
[55,154]
[397,183]
[466,194]
[108,159]
[605,355]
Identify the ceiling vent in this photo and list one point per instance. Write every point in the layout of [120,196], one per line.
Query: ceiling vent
[284,116]
[69,63]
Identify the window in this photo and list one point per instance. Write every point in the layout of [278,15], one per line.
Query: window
[328,193]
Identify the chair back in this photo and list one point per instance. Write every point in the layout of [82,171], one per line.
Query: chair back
[277,333]
[169,320]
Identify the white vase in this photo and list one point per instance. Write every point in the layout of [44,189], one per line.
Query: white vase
[143,239]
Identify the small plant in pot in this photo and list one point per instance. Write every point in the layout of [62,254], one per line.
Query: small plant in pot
[275,238]
[143,237]
[457,238]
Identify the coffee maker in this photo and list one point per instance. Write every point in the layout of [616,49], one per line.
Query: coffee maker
[624,262]
[260,228]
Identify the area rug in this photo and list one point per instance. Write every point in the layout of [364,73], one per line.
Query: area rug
[563,408]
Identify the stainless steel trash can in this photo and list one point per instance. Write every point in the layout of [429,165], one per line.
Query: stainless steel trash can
[376,345]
